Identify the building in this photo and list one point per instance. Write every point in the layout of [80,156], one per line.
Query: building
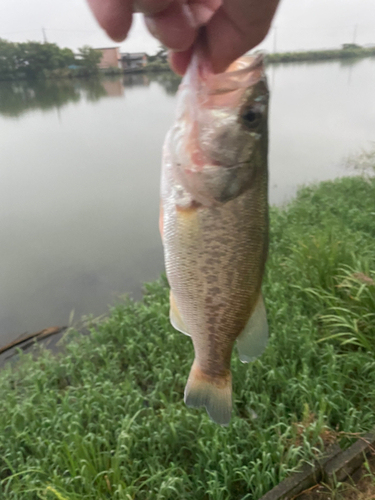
[136,60]
[111,57]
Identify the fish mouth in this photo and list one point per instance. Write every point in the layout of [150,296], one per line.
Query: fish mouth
[242,74]
[227,89]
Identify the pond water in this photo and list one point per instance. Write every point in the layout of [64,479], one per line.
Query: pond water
[79,178]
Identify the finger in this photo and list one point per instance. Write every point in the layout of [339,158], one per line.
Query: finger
[174,27]
[114,16]
[229,37]
[203,10]
[179,61]
[150,7]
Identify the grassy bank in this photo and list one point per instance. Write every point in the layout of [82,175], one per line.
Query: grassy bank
[351,52]
[107,420]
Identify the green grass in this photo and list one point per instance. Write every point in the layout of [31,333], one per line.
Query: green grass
[321,55]
[107,420]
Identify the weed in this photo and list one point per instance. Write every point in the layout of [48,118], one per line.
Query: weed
[106,419]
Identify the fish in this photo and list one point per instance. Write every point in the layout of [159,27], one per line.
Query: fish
[214,223]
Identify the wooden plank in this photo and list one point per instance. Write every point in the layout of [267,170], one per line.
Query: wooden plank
[335,466]
[42,334]
[300,481]
[342,466]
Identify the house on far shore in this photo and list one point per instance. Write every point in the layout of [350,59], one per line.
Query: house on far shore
[135,60]
[111,57]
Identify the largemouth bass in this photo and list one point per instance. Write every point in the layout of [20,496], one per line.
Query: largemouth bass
[214,223]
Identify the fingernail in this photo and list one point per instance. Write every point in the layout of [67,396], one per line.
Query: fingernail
[201,14]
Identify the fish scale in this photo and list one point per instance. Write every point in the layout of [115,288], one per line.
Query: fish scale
[214,225]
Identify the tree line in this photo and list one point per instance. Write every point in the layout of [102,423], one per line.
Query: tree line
[31,60]
[347,51]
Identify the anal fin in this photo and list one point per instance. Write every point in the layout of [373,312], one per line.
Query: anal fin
[253,339]
[175,316]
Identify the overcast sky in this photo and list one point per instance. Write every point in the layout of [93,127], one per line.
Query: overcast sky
[299,24]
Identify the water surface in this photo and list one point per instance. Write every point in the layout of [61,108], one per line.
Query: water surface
[79,177]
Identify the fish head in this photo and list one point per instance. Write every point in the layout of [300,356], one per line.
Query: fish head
[219,141]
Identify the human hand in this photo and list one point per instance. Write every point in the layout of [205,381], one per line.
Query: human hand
[232,27]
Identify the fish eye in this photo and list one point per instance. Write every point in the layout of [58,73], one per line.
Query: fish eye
[251,117]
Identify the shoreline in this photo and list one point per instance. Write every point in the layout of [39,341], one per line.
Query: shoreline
[321,55]
[282,58]
[343,54]
[47,338]
[108,414]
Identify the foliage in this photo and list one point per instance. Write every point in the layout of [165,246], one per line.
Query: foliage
[112,71]
[32,60]
[9,53]
[333,264]
[89,58]
[106,419]
[350,46]
[363,163]
[161,55]
[347,52]
[157,66]
[351,308]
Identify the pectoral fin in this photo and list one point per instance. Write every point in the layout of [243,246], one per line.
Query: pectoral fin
[253,339]
[175,316]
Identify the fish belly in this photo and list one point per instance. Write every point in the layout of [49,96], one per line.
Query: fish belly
[215,259]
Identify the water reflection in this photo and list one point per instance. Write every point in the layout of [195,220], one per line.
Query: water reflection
[91,89]
[113,88]
[166,79]
[136,80]
[20,97]
[79,189]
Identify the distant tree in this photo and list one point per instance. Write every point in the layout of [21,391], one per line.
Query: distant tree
[31,59]
[89,58]
[38,57]
[350,46]
[9,55]
[67,57]
[162,54]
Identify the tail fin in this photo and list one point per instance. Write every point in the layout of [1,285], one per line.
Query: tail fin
[215,393]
